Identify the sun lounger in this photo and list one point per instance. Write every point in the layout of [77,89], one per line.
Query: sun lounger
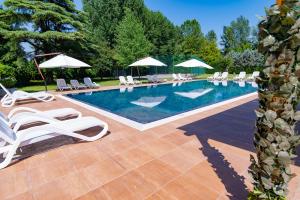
[88,82]
[15,138]
[240,77]
[214,77]
[181,78]
[21,113]
[10,98]
[223,77]
[253,76]
[175,77]
[62,85]
[130,81]
[76,85]
[123,80]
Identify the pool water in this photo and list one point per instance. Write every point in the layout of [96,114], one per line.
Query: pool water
[152,103]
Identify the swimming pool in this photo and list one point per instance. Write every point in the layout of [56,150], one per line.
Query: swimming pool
[144,105]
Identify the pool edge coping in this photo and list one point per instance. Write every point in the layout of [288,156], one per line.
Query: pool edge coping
[143,127]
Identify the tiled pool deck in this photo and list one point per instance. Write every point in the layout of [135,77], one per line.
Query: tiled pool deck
[204,156]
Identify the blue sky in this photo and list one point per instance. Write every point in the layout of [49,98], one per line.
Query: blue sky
[212,14]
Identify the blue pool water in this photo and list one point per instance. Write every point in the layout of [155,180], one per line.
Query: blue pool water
[149,104]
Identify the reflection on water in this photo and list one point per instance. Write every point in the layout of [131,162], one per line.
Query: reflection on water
[149,102]
[194,94]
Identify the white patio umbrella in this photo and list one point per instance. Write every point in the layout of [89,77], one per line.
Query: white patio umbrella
[62,61]
[194,63]
[148,61]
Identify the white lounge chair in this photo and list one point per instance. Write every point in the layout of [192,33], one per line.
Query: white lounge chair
[88,82]
[10,99]
[214,77]
[253,76]
[12,139]
[131,81]
[240,77]
[175,77]
[223,77]
[76,85]
[62,85]
[181,77]
[123,80]
[20,113]
[156,79]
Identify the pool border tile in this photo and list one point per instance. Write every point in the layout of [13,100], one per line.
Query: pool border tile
[143,127]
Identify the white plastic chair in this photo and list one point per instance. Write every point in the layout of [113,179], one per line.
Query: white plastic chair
[15,138]
[240,77]
[223,77]
[175,78]
[181,77]
[130,81]
[76,85]
[62,85]
[253,76]
[10,98]
[123,80]
[214,77]
[89,83]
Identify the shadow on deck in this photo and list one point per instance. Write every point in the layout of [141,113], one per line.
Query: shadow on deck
[233,127]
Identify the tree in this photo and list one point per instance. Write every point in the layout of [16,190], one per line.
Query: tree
[192,37]
[211,36]
[236,37]
[161,33]
[56,24]
[132,43]
[275,138]
[209,52]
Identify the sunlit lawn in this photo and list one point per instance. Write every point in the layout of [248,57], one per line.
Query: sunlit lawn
[39,85]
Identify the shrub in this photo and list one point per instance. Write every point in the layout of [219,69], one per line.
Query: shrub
[7,76]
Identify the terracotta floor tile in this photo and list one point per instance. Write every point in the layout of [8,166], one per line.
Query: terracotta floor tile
[158,172]
[163,195]
[124,162]
[74,185]
[137,184]
[181,159]
[23,196]
[177,138]
[97,194]
[50,171]
[141,138]
[101,172]
[154,197]
[137,156]
[158,147]
[118,190]
[180,192]
[50,191]
[85,158]
[13,184]
[207,175]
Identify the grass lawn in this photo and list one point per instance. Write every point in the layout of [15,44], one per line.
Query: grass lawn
[39,85]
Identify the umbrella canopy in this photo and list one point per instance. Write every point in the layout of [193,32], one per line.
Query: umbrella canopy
[63,61]
[194,63]
[148,62]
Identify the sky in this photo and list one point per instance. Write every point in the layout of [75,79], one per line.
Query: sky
[212,14]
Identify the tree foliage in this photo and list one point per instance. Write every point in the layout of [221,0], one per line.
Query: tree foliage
[131,43]
[275,138]
[236,36]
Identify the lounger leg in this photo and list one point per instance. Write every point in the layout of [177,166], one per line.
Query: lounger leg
[11,150]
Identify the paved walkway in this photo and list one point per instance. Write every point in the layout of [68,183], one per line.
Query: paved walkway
[204,156]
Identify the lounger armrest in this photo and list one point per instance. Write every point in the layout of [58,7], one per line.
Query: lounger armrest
[21,109]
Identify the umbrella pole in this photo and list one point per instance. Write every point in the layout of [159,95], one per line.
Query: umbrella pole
[41,74]
[138,72]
